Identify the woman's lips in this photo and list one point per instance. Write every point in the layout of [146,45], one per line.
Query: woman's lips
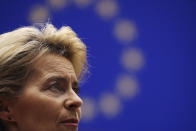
[70,122]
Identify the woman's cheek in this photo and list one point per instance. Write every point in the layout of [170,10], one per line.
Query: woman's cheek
[37,107]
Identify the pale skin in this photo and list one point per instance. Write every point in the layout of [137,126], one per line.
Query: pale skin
[49,98]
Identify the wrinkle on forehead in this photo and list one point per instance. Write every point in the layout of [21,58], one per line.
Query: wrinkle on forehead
[52,62]
[56,66]
[51,65]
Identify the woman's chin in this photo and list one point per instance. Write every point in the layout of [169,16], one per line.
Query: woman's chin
[67,128]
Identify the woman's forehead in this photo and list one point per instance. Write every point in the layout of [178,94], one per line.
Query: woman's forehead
[53,65]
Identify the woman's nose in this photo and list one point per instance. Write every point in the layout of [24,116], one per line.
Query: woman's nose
[73,102]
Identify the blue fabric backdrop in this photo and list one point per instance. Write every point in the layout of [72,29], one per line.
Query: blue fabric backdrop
[166,37]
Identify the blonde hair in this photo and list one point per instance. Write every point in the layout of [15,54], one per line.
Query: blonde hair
[21,47]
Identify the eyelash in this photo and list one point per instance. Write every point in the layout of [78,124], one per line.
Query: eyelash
[58,86]
[76,90]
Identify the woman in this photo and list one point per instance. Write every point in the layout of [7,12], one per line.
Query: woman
[39,77]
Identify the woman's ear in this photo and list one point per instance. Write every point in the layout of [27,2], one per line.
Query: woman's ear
[5,112]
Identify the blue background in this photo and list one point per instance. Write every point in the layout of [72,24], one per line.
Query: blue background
[167,98]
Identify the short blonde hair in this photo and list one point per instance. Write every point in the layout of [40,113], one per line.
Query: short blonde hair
[21,47]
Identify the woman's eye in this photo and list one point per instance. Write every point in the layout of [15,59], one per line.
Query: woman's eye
[56,87]
[76,90]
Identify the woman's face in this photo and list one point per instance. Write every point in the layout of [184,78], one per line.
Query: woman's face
[49,101]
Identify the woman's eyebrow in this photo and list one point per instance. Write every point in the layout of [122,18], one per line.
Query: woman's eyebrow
[64,79]
[56,78]
[75,84]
